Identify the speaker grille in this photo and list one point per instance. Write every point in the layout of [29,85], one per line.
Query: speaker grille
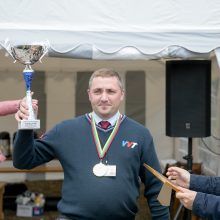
[188,98]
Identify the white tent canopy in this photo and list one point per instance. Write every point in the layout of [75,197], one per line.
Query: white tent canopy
[117,29]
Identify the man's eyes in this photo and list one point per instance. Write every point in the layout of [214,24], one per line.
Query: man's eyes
[111,91]
[107,91]
[97,91]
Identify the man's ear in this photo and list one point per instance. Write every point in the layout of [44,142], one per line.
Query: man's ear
[88,92]
[123,95]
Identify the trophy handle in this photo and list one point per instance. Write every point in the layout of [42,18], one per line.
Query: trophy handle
[8,48]
[45,50]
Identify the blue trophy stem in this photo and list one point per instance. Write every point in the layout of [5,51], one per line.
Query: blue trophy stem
[28,75]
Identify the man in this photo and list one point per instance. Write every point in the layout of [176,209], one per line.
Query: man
[204,203]
[101,165]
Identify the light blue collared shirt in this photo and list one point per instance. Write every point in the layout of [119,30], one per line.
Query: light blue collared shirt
[111,120]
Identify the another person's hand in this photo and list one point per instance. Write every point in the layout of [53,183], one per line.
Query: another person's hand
[2,156]
[179,176]
[23,112]
[186,197]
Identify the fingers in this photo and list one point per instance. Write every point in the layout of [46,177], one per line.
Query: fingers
[181,191]
[23,112]
[175,169]
[34,101]
[24,107]
[179,176]
[175,172]
[172,173]
[35,105]
[19,115]
[186,197]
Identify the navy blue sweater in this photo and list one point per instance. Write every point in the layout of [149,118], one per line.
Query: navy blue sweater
[85,196]
[207,201]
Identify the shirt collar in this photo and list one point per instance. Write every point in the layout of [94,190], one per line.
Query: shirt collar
[111,120]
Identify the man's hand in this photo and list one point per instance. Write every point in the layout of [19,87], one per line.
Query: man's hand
[23,112]
[179,176]
[186,197]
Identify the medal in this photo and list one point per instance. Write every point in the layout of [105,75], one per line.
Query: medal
[100,169]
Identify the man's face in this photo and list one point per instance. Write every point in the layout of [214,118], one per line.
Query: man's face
[105,96]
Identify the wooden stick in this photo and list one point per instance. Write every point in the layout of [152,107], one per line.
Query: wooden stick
[161,177]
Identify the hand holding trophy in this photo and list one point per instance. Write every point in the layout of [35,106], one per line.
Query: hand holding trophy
[28,55]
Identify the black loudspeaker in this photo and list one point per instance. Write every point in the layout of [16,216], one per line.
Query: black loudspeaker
[188,98]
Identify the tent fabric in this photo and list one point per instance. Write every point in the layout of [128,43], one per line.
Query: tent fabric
[117,29]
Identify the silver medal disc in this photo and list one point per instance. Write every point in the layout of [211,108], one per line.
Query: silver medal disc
[100,169]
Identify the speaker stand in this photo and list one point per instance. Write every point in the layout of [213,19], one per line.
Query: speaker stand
[189,163]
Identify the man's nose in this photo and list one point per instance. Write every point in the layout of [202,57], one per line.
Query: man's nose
[104,96]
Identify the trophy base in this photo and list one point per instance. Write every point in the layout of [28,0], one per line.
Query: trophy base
[29,124]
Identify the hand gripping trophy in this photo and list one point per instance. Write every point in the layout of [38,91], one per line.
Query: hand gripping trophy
[28,55]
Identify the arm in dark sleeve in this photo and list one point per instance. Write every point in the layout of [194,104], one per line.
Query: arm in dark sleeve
[152,184]
[29,152]
[207,206]
[22,149]
[206,184]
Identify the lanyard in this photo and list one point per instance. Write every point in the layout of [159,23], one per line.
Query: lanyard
[102,151]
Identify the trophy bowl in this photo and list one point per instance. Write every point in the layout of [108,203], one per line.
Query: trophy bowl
[27,54]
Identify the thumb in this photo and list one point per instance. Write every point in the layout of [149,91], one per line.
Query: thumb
[182,189]
[180,194]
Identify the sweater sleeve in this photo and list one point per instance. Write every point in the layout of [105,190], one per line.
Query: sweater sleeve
[152,184]
[29,152]
[207,206]
[9,107]
[205,184]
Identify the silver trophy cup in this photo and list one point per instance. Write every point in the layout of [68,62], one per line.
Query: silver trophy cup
[28,55]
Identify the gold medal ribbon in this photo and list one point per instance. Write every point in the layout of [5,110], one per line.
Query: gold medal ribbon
[102,151]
